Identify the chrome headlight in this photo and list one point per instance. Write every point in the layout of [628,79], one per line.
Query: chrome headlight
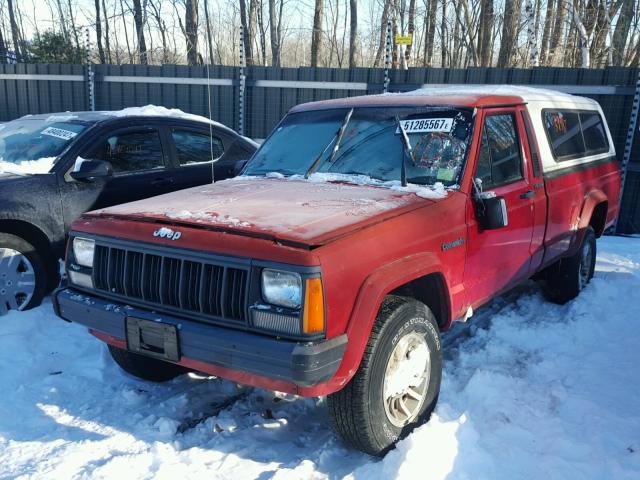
[83,249]
[282,288]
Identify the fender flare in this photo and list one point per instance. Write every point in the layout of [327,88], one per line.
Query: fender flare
[370,296]
[592,199]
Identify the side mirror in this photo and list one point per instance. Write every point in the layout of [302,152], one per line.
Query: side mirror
[491,211]
[88,169]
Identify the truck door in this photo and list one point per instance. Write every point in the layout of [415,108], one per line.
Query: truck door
[497,259]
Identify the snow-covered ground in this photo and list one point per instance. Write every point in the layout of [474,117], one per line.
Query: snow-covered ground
[530,390]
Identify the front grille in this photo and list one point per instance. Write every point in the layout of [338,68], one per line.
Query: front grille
[215,291]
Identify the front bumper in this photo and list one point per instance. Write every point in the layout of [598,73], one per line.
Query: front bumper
[300,364]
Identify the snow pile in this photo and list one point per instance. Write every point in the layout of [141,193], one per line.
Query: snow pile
[157,111]
[434,192]
[207,218]
[42,165]
[530,390]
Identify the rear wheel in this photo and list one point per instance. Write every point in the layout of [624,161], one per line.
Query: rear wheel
[564,280]
[396,386]
[146,368]
[23,276]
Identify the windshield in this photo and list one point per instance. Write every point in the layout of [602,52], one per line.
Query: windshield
[371,144]
[33,145]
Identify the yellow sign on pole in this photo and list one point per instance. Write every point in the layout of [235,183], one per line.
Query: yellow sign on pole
[404,39]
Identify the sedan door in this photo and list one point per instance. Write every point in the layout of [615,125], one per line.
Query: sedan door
[140,170]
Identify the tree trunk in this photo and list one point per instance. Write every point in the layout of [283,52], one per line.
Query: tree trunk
[74,30]
[558,28]
[582,34]
[3,49]
[443,36]
[509,32]
[486,30]
[247,31]
[430,23]
[273,34]
[546,32]
[411,27]
[191,31]
[208,27]
[137,17]
[99,32]
[353,32]
[15,33]
[382,42]
[621,32]
[316,35]
[253,19]
[107,42]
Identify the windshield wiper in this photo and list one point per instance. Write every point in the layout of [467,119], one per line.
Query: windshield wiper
[337,138]
[406,149]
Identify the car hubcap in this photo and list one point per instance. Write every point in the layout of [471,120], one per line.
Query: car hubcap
[17,280]
[406,379]
[585,264]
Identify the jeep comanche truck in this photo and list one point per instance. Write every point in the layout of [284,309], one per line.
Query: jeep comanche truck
[360,230]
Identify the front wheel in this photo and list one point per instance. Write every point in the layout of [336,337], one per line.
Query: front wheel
[397,384]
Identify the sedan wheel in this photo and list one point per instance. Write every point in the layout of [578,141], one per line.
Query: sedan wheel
[17,280]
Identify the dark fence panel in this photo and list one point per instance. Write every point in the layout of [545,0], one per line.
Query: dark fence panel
[30,89]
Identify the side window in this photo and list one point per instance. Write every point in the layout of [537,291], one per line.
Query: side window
[595,137]
[565,134]
[131,151]
[194,147]
[499,161]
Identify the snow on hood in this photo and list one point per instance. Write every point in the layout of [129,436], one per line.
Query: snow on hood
[312,211]
[61,118]
[42,165]
[158,111]
[434,192]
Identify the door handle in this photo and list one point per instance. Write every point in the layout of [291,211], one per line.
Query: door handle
[527,194]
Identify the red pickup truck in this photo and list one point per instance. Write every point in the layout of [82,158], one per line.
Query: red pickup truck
[357,233]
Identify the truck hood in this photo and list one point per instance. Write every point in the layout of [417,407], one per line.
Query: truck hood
[297,212]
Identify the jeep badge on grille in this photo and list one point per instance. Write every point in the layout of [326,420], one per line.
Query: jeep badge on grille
[167,233]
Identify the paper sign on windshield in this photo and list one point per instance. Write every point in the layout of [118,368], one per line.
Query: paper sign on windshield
[59,133]
[420,125]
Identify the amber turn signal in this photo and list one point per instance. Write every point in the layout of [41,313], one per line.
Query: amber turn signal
[313,318]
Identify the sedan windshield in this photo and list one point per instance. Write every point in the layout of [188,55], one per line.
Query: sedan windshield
[33,145]
[371,144]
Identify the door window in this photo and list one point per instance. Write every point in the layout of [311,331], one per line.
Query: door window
[194,147]
[131,152]
[499,161]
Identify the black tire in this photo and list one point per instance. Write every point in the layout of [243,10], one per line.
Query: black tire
[146,368]
[565,279]
[357,412]
[40,272]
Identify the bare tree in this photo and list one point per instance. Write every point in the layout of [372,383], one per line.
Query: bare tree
[191,30]
[558,28]
[621,32]
[247,31]
[316,35]
[485,32]
[546,31]
[139,21]
[207,22]
[509,32]
[275,20]
[15,32]
[411,27]
[582,33]
[99,32]
[106,32]
[353,31]
[383,34]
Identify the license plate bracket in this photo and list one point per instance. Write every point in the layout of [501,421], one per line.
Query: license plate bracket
[153,339]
